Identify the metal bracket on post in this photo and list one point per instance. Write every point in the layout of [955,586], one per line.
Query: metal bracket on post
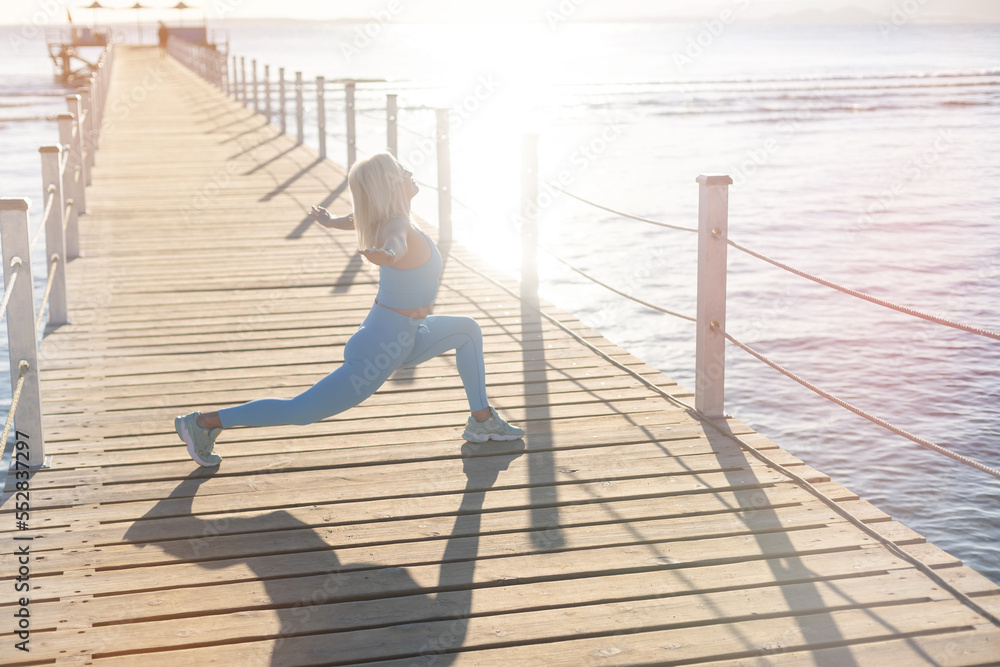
[352,148]
[444,176]
[391,116]
[710,344]
[21,335]
[529,220]
[321,114]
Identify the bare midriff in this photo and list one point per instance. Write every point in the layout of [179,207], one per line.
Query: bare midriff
[415,313]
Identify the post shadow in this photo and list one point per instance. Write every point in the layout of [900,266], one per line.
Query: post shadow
[365,598]
[546,533]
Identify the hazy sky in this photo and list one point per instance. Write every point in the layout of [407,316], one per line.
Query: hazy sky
[53,11]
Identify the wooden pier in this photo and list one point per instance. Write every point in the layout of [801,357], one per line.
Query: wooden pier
[622,530]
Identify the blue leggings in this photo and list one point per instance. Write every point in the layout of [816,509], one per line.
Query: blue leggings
[385,341]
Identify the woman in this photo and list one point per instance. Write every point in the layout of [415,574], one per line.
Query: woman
[398,331]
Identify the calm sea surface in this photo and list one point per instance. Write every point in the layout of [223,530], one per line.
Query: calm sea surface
[868,158]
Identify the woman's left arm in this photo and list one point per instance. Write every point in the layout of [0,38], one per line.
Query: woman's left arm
[394,247]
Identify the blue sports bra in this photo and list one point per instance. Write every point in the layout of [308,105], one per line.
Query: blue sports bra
[410,288]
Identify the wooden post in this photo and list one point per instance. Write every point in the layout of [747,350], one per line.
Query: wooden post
[55,235]
[281,97]
[267,92]
[256,101]
[234,90]
[21,336]
[321,115]
[349,111]
[88,130]
[444,177]
[97,106]
[243,83]
[529,219]
[299,112]
[69,187]
[391,114]
[76,145]
[710,345]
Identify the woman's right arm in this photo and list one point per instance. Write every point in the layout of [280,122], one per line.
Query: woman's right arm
[323,217]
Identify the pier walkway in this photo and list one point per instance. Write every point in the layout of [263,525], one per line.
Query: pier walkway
[622,530]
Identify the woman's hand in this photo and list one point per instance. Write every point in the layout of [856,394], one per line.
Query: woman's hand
[379,256]
[320,214]
[323,217]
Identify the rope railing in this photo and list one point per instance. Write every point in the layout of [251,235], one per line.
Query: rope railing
[979,331]
[22,367]
[65,177]
[49,201]
[615,290]
[622,213]
[16,263]
[53,265]
[858,411]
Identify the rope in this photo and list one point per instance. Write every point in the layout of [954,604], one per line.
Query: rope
[48,288]
[23,367]
[616,291]
[774,465]
[867,297]
[16,263]
[624,215]
[45,216]
[858,411]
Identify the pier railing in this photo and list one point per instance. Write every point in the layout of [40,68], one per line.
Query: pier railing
[65,172]
[712,230]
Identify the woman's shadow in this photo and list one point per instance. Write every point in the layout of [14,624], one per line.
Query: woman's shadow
[342,611]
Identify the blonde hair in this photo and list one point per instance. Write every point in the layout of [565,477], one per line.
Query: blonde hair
[379,193]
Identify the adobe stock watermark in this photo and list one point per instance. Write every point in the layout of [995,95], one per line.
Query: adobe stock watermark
[901,14]
[712,30]
[580,159]
[771,146]
[915,169]
[486,87]
[123,104]
[562,12]
[42,14]
[366,33]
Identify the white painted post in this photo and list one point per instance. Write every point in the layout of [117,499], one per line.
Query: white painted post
[391,114]
[321,115]
[71,208]
[21,336]
[529,219]
[243,83]
[267,92]
[281,97]
[86,104]
[349,111]
[710,345]
[256,100]
[299,111]
[55,235]
[444,177]
[96,106]
[80,152]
